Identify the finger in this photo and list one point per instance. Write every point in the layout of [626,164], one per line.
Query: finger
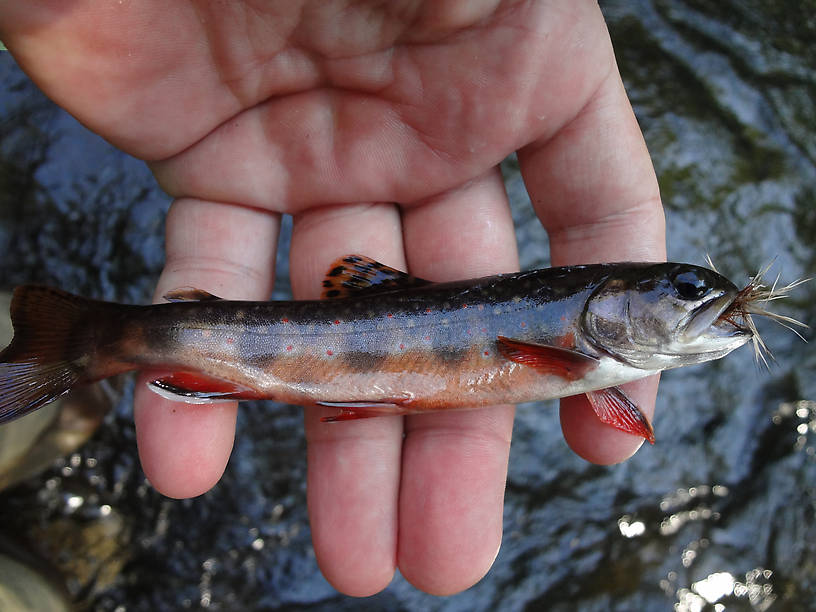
[229,251]
[454,464]
[594,188]
[354,467]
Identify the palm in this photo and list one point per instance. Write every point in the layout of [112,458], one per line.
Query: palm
[399,113]
[332,112]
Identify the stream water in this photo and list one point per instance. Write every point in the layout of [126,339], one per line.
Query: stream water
[719,515]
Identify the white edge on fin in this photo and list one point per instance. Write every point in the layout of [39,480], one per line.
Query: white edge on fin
[175,397]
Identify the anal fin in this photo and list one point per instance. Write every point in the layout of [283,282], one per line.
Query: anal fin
[195,388]
[614,408]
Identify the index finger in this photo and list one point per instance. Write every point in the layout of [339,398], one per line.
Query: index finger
[594,188]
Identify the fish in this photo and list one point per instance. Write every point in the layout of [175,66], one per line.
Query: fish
[383,342]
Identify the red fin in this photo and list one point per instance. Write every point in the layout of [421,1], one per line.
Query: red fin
[350,411]
[360,275]
[197,388]
[614,408]
[563,362]
[189,294]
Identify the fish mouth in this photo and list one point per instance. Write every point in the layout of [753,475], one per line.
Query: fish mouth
[710,323]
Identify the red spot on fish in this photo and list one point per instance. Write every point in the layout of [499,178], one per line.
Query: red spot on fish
[402,346]
[290,347]
[522,324]
[428,338]
[428,311]
[329,353]
[230,340]
[336,322]
[487,353]
[464,305]
[390,316]
[284,320]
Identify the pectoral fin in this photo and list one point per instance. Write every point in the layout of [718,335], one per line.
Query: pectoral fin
[614,408]
[566,363]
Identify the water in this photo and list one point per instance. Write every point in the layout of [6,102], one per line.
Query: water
[719,514]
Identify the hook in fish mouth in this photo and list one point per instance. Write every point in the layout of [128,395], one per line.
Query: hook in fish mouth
[710,318]
[707,329]
[750,300]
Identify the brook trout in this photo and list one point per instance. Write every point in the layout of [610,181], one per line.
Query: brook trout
[383,342]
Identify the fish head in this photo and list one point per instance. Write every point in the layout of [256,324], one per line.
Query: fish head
[660,316]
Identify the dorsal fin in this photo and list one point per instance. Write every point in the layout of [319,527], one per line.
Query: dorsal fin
[189,294]
[359,275]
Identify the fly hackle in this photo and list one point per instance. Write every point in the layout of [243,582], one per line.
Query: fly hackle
[753,300]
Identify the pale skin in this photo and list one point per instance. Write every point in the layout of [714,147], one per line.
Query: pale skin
[379,130]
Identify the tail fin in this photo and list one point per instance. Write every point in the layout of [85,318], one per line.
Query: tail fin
[51,349]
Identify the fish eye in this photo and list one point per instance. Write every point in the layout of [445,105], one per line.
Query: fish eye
[689,285]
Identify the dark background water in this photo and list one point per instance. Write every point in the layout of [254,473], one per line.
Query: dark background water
[719,514]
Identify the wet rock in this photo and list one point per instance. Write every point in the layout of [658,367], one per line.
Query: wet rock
[29,583]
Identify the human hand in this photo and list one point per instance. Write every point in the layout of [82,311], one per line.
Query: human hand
[331,111]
